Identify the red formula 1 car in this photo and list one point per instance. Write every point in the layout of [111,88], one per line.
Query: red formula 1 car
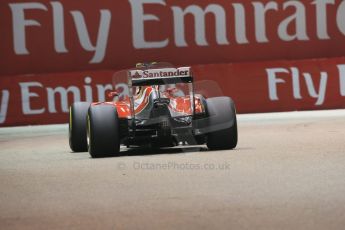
[158,106]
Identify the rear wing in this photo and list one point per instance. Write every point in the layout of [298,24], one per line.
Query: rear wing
[159,76]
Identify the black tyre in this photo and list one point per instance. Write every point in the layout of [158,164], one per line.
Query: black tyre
[77,126]
[222,114]
[103,131]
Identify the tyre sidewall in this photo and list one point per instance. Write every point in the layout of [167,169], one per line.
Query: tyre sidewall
[222,122]
[103,131]
[77,126]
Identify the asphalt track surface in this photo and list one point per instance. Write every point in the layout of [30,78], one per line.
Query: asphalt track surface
[288,172]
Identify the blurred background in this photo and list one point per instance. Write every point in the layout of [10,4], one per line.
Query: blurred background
[269,56]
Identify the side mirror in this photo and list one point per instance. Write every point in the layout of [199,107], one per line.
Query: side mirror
[112,94]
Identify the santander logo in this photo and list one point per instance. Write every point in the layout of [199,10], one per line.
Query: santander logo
[160,73]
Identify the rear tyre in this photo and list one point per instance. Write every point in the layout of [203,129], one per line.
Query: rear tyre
[223,138]
[103,131]
[77,126]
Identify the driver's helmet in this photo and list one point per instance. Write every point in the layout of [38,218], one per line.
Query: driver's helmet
[145,64]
